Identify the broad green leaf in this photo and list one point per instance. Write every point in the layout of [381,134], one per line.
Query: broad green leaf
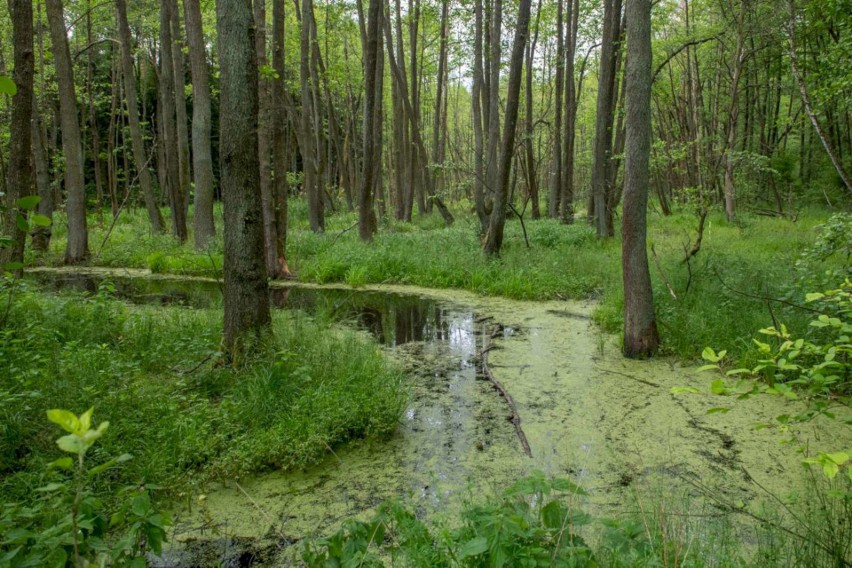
[86,420]
[814,296]
[709,355]
[839,458]
[7,86]
[689,390]
[41,220]
[710,367]
[72,444]
[66,420]
[830,469]
[28,203]
[474,547]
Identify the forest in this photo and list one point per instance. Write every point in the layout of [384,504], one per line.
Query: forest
[462,283]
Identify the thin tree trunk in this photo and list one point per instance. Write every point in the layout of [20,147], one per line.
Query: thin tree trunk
[140,159]
[556,156]
[367,224]
[640,328]
[246,296]
[180,107]
[166,118]
[279,145]
[77,249]
[202,154]
[478,120]
[806,100]
[494,236]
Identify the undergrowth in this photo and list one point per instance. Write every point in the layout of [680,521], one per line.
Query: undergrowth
[152,373]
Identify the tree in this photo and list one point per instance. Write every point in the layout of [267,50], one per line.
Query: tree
[641,338]
[246,295]
[19,181]
[140,159]
[494,236]
[602,166]
[279,143]
[202,155]
[77,249]
[367,224]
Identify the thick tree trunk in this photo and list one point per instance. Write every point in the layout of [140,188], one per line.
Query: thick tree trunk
[77,249]
[246,291]
[140,159]
[264,130]
[19,181]
[202,154]
[494,236]
[640,328]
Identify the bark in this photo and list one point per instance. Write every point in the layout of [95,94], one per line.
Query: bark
[19,181]
[140,159]
[180,106]
[640,328]
[440,109]
[77,249]
[566,201]
[478,120]
[279,144]
[556,156]
[166,118]
[367,224]
[604,117]
[246,296]
[202,154]
[41,235]
[264,131]
[494,236]
[307,139]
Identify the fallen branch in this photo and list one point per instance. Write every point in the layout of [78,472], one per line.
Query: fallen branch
[637,379]
[516,418]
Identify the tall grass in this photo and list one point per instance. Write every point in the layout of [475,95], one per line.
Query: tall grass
[152,373]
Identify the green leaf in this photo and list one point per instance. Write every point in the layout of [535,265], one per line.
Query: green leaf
[28,203]
[86,420]
[41,220]
[474,547]
[709,355]
[21,222]
[710,367]
[66,420]
[839,458]
[719,409]
[7,86]
[50,487]
[65,463]
[814,296]
[830,469]
[553,515]
[72,444]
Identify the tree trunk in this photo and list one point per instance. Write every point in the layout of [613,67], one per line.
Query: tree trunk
[478,120]
[166,118]
[439,99]
[41,235]
[279,145]
[494,236]
[202,155]
[566,202]
[605,116]
[640,328]
[367,224]
[19,181]
[140,159]
[77,249]
[246,291]
[555,193]
[307,142]
[180,107]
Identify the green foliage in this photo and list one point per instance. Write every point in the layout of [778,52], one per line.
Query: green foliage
[816,368]
[533,523]
[69,525]
[309,389]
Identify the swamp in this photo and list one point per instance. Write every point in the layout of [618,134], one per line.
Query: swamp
[450,283]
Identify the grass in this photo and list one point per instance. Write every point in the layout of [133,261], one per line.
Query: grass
[754,256]
[151,372]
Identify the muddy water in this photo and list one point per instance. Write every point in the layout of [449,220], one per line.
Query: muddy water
[587,413]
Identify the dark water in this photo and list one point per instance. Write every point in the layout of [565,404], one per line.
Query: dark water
[393,319]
